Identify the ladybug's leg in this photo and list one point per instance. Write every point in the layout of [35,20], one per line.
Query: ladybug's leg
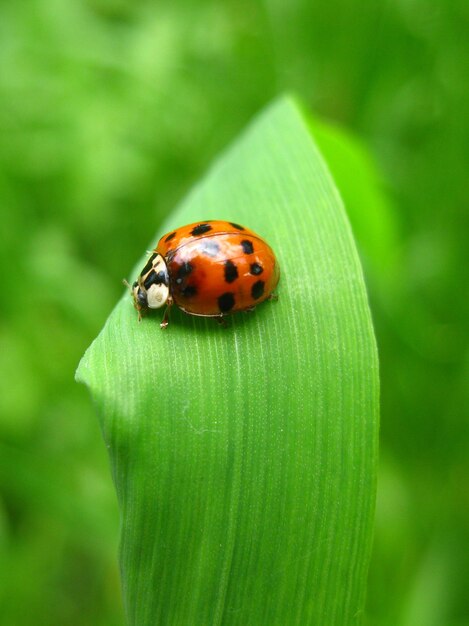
[221,321]
[165,320]
[273,296]
[250,309]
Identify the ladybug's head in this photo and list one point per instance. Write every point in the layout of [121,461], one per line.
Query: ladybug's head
[151,290]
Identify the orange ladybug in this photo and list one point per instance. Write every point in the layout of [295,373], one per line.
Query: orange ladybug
[209,269]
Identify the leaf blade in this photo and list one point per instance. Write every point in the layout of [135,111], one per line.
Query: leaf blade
[245,460]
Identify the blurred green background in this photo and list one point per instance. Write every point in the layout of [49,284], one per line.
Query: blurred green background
[109,111]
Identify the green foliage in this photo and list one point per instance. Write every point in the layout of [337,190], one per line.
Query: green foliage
[245,459]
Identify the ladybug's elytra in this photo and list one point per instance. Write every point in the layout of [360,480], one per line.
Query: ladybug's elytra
[209,269]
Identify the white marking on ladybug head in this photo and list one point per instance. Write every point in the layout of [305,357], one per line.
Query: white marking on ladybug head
[157,296]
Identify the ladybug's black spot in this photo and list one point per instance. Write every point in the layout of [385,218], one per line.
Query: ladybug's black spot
[183,271]
[237,226]
[162,278]
[149,265]
[226,302]
[149,280]
[201,229]
[256,269]
[247,246]
[210,248]
[231,271]
[154,278]
[170,236]
[257,289]
[189,291]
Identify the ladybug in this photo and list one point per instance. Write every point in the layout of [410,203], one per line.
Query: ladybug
[210,269]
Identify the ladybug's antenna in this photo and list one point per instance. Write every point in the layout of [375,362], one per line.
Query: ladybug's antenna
[125,282]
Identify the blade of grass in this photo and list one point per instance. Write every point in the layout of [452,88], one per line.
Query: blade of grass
[245,458]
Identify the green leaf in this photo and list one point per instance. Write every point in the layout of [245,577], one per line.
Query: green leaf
[362,189]
[245,458]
